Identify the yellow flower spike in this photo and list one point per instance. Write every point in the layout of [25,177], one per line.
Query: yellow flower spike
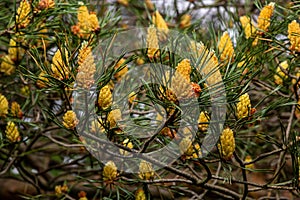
[140,194]
[184,68]
[255,41]
[297,111]
[145,170]
[161,25]
[249,159]
[280,75]
[128,144]
[84,53]
[110,172]
[159,22]
[120,73]
[247,25]
[7,66]
[82,195]
[59,190]
[180,87]
[59,65]
[185,21]
[93,22]
[87,22]
[152,42]
[243,106]
[140,61]
[15,52]
[184,146]
[149,4]
[294,80]
[197,151]
[189,149]
[83,17]
[294,35]
[96,126]
[3,106]
[105,97]
[87,67]
[15,110]
[227,144]
[113,117]
[23,14]
[131,97]
[203,121]
[42,81]
[299,168]
[46,4]
[12,132]
[25,91]
[123,2]
[70,120]
[159,118]
[225,47]
[187,132]
[210,62]
[111,84]
[264,18]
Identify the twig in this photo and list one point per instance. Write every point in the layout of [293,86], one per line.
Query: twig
[61,143]
[214,182]
[9,164]
[285,139]
[245,192]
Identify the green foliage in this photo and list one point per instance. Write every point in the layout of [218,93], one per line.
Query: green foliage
[47,154]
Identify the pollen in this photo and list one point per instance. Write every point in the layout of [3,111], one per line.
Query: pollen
[247,25]
[149,4]
[294,36]
[189,149]
[15,52]
[110,172]
[225,47]
[227,144]
[87,22]
[23,14]
[161,25]
[184,68]
[121,69]
[249,159]
[46,4]
[145,170]
[203,121]
[185,21]
[264,18]
[70,120]
[113,117]
[243,106]
[15,110]
[123,2]
[7,66]
[280,75]
[126,143]
[12,132]
[86,68]
[152,42]
[42,81]
[105,97]
[59,65]
[3,106]
[140,194]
